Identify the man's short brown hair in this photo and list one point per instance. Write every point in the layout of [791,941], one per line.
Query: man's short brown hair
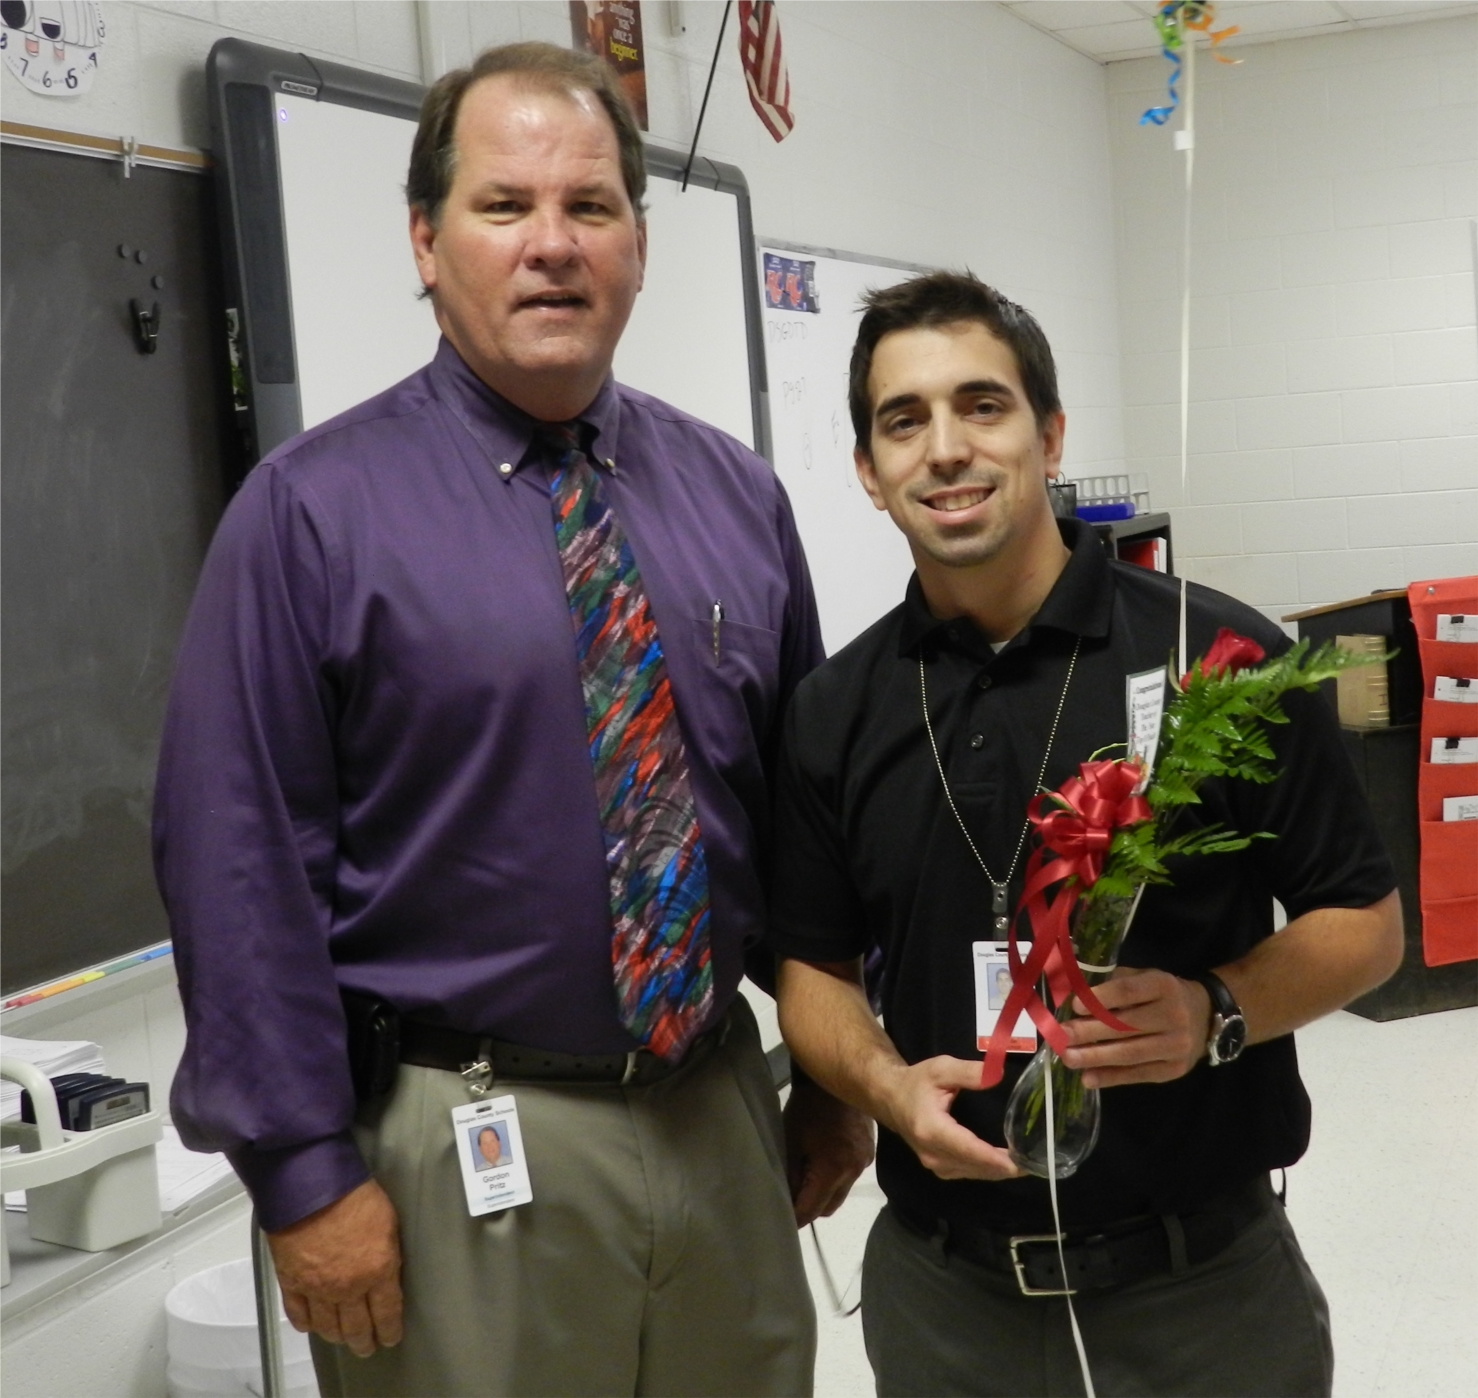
[547,66]
[950,298]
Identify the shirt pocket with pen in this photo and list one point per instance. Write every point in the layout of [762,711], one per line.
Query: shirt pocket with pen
[739,668]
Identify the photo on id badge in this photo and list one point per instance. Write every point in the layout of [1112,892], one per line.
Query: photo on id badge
[495,1174]
[992,987]
[489,1144]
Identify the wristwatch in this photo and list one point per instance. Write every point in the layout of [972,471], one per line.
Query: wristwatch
[1228,1036]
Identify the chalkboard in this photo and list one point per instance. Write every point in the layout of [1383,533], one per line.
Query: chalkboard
[116,471]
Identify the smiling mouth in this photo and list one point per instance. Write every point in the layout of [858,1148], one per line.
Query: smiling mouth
[958,500]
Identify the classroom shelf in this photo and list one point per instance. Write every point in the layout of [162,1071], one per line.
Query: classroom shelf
[1155,525]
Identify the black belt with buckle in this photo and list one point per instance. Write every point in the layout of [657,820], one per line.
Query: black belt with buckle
[1112,1255]
[434,1046]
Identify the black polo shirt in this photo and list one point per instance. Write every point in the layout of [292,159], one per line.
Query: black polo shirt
[869,855]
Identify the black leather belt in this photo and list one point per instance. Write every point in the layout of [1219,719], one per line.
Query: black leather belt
[434,1046]
[1113,1255]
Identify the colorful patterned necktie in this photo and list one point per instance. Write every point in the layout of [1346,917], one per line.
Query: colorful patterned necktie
[654,854]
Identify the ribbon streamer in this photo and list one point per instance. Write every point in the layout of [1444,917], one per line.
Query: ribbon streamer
[1077,824]
[1171,22]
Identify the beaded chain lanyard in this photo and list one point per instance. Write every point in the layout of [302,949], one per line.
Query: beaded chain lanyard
[999,888]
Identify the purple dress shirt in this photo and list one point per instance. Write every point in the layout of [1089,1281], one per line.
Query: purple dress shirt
[374,770]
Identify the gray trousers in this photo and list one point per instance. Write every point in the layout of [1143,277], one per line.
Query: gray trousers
[659,1255]
[1250,1321]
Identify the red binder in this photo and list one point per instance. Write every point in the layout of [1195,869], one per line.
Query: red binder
[1449,849]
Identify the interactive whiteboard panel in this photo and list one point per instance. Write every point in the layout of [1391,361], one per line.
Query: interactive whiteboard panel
[692,292]
[312,160]
[345,220]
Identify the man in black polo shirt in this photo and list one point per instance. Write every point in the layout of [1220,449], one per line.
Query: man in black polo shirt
[1016,637]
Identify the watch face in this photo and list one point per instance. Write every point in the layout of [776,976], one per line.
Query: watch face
[1230,1040]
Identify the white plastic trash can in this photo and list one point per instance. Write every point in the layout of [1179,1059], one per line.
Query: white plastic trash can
[211,1321]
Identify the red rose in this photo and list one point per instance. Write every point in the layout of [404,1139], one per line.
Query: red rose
[1229,651]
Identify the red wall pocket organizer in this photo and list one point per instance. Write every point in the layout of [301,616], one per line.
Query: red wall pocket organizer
[1449,849]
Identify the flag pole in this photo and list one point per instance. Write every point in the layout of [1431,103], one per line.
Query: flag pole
[702,111]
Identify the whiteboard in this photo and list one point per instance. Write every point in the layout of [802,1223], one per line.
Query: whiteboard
[692,292]
[341,164]
[313,159]
[860,563]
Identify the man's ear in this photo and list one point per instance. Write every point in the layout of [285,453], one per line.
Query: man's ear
[423,246]
[1053,431]
[869,477]
[641,249]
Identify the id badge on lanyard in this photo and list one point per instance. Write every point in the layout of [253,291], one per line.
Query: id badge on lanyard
[992,986]
[489,1142]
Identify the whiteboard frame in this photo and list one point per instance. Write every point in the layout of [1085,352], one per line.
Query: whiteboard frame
[243,80]
[838,255]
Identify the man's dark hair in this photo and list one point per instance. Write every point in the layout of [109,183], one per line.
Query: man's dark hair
[950,298]
[544,66]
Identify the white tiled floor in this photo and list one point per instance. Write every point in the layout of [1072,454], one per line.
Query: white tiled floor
[1385,1203]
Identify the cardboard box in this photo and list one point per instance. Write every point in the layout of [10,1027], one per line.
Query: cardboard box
[1364,694]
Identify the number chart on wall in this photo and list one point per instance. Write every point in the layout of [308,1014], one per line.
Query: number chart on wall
[812,307]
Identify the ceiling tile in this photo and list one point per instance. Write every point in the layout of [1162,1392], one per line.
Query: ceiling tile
[1057,15]
[1270,16]
[1108,30]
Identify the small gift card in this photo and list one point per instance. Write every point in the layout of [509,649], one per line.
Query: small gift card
[1144,703]
[992,986]
[1457,628]
[490,1151]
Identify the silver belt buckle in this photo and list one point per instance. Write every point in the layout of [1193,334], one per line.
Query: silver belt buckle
[630,1072]
[1020,1267]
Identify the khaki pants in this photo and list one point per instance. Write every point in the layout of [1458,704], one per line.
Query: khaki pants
[659,1255]
[1249,1323]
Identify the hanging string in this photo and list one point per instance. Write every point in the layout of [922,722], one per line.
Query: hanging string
[1072,1314]
[1185,141]
[1177,23]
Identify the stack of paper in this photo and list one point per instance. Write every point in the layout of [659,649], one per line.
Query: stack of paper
[53,1057]
[184,1175]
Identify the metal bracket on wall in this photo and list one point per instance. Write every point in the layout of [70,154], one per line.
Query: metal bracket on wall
[146,326]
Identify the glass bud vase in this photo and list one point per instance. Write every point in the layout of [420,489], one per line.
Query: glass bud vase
[1098,930]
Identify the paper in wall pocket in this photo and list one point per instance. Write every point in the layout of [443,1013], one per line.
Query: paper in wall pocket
[1457,627]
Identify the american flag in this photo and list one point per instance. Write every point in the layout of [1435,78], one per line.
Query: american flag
[764,66]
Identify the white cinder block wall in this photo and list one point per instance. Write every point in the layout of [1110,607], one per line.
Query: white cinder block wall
[1334,374]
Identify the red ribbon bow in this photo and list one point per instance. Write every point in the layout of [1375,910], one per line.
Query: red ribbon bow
[1077,823]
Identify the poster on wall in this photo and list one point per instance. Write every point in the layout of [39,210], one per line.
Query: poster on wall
[52,45]
[611,29]
[790,284]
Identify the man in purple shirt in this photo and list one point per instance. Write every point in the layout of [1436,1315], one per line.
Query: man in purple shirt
[377,777]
